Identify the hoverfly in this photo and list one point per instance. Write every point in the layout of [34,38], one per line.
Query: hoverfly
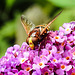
[35,33]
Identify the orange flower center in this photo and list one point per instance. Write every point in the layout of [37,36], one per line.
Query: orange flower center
[62,44]
[72,73]
[50,69]
[15,55]
[23,60]
[27,69]
[67,29]
[41,56]
[49,52]
[46,73]
[73,53]
[70,41]
[16,74]
[67,58]
[56,37]
[40,64]
[58,52]
[54,60]
[62,66]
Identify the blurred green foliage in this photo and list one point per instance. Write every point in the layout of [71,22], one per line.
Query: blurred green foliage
[39,11]
[63,3]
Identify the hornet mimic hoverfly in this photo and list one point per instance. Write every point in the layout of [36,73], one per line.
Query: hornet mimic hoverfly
[35,33]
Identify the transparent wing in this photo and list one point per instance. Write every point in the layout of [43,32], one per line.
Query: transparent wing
[27,24]
[50,23]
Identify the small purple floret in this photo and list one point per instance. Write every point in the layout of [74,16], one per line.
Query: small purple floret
[56,56]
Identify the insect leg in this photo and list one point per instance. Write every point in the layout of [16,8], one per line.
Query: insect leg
[39,49]
[45,41]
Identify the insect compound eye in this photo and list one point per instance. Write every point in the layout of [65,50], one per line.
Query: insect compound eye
[35,40]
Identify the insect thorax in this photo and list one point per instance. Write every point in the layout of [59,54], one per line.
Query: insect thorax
[37,30]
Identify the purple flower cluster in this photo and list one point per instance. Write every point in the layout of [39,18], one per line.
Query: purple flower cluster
[57,55]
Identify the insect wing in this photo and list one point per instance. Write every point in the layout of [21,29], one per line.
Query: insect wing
[27,24]
[50,23]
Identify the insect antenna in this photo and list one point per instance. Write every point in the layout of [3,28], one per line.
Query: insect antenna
[50,23]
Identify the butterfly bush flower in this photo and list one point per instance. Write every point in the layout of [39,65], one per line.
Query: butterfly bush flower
[56,55]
